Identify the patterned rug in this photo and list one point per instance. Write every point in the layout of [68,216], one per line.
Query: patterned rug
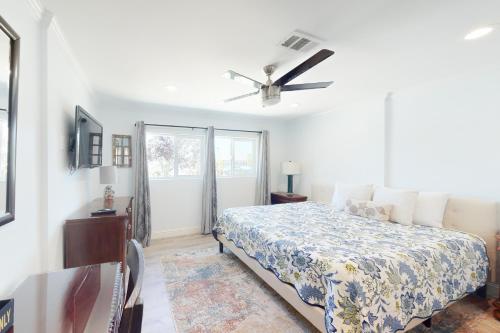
[212,292]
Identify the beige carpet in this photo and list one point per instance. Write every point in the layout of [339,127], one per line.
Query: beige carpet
[209,292]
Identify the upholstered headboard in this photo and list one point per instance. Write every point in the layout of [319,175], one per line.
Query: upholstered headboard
[476,217]
[470,215]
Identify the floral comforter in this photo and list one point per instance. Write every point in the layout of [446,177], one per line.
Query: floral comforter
[370,276]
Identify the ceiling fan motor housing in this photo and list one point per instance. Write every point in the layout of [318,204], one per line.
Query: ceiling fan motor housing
[270,95]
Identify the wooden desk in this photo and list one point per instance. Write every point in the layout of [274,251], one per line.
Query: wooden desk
[83,299]
[90,240]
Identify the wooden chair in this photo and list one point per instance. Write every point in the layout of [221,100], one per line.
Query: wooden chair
[131,321]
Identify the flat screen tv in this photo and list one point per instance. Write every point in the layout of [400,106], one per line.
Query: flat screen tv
[88,140]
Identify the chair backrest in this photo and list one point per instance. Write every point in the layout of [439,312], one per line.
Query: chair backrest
[135,262]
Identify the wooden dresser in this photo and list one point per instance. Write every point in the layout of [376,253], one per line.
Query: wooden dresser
[90,240]
[282,197]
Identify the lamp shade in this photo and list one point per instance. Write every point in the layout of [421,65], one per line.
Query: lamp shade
[108,175]
[290,168]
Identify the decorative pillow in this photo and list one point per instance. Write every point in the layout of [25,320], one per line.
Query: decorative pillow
[430,208]
[343,192]
[403,203]
[369,209]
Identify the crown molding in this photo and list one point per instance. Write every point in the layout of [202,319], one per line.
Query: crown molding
[36,9]
[49,22]
[56,29]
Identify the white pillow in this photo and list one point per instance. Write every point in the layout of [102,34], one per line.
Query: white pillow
[403,203]
[430,208]
[343,192]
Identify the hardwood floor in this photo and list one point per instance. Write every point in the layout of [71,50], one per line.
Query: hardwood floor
[157,310]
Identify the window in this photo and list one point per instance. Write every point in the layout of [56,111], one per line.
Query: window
[179,153]
[188,156]
[174,154]
[235,156]
[223,156]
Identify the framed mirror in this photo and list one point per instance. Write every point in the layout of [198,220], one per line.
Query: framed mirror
[9,75]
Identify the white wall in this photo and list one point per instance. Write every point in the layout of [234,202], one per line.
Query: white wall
[20,240]
[50,85]
[346,144]
[445,136]
[440,136]
[176,204]
[67,192]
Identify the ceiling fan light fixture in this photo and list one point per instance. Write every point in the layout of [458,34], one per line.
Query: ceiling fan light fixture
[271,101]
[271,95]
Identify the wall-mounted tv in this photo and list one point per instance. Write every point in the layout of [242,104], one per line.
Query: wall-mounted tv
[88,140]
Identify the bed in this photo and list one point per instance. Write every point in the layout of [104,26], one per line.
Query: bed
[348,273]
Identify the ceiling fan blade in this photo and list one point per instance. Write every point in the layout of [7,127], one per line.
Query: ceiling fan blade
[303,67]
[232,75]
[306,86]
[241,96]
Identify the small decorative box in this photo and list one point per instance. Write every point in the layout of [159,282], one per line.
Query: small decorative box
[6,315]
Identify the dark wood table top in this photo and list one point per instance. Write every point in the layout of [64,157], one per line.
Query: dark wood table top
[82,299]
[289,195]
[119,203]
[283,197]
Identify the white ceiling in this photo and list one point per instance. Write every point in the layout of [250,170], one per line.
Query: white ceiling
[132,49]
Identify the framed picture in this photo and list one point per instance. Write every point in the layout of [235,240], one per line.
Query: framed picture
[122,150]
[9,77]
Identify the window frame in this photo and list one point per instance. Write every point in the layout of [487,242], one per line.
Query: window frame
[175,135]
[202,156]
[234,138]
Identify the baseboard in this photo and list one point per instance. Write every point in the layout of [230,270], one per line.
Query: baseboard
[176,232]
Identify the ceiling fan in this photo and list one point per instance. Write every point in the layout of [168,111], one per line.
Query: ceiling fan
[271,91]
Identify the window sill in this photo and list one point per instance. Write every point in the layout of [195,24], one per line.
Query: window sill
[199,178]
[175,178]
[236,177]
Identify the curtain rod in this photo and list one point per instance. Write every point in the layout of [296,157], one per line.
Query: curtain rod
[196,127]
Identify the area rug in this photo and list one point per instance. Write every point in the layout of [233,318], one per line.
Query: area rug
[212,292]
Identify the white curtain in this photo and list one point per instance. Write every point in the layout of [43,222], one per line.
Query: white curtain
[262,189]
[142,208]
[209,195]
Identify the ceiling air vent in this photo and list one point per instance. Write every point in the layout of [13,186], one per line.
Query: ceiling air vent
[300,41]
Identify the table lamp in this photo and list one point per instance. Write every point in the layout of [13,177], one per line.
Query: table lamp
[290,168]
[108,176]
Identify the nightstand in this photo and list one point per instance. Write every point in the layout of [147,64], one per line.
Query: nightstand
[282,197]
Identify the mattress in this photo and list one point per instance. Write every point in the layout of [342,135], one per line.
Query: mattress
[368,275]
